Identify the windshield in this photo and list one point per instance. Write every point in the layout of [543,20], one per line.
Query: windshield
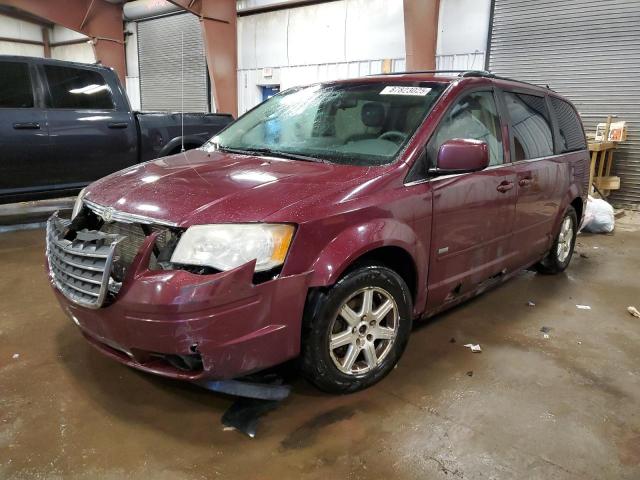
[355,124]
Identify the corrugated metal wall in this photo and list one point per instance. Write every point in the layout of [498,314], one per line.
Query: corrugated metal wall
[587,50]
[160,52]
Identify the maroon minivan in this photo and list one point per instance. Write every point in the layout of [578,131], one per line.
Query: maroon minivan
[320,224]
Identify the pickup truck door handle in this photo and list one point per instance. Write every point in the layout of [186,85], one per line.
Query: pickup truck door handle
[504,187]
[118,125]
[525,182]
[27,126]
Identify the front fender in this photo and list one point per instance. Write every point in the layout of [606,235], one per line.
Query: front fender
[357,240]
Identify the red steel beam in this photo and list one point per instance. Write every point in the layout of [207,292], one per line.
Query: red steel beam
[218,19]
[98,19]
[421,33]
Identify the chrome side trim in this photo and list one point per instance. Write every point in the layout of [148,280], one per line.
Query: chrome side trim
[111,215]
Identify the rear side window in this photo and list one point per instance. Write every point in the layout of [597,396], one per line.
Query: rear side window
[77,88]
[15,85]
[571,136]
[530,126]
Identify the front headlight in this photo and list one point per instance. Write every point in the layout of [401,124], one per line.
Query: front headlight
[227,246]
[78,205]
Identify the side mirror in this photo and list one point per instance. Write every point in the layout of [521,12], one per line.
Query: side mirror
[460,155]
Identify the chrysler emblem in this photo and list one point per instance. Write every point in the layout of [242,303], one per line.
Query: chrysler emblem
[107,215]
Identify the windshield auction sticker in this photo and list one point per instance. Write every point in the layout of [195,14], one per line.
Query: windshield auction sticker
[413,91]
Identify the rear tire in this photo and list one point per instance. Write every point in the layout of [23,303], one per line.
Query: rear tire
[558,258]
[355,332]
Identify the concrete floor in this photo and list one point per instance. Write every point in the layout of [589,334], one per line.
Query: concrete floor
[562,407]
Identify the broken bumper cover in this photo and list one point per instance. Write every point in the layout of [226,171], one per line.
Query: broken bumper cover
[223,325]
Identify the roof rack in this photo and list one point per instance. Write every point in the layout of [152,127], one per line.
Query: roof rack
[465,74]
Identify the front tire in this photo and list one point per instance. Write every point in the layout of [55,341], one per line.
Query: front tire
[355,332]
[558,258]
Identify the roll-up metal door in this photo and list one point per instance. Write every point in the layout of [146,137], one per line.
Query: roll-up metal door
[586,50]
[160,60]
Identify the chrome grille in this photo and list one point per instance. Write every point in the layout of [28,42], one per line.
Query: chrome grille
[80,268]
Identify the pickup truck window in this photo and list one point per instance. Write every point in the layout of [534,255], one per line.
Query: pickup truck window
[571,134]
[357,124]
[530,126]
[15,85]
[77,88]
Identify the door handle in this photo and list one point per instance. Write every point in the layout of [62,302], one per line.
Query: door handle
[525,182]
[504,187]
[118,125]
[27,126]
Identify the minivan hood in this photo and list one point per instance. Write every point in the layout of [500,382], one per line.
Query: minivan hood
[195,187]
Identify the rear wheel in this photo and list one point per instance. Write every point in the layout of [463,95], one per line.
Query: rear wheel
[357,330]
[558,258]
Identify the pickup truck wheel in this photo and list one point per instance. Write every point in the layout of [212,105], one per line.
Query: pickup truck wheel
[558,258]
[355,332]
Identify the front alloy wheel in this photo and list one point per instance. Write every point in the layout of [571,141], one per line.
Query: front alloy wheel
[364,330]
[355,331]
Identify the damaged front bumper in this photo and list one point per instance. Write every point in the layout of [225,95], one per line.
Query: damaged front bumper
[195,327]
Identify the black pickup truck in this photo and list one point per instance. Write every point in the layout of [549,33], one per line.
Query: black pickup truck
[64,125]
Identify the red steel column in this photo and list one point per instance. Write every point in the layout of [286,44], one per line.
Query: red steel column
[219,19]
[421,33]
[98,19]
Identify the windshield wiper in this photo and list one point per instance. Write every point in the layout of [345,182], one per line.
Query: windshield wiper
[272,152]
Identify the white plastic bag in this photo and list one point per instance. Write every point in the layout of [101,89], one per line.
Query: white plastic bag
[598,217]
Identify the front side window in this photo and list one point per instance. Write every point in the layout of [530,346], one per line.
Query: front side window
[355,124]
[15,85]
[475,117]
[77,88]
[530,126]
[571,136]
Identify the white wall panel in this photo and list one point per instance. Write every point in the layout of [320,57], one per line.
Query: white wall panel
[81,52]
[13,28]
[247,42]
[463,26]
[374,29]
[12,48]
[317,33]
[271,39]
[314,43]
[62,34]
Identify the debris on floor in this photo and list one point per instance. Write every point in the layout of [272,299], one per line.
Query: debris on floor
[583,307]
[255,398]
[453,340]
[474,347]
[531,304]
[633,311]
[244,413]
[470,373]
[17,355]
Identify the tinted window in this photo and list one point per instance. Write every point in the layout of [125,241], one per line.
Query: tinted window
[571,135]
[15,85]
[474,116]
[530,126]
[77,88]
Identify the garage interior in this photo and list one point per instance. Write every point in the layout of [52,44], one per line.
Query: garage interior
[555,389]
